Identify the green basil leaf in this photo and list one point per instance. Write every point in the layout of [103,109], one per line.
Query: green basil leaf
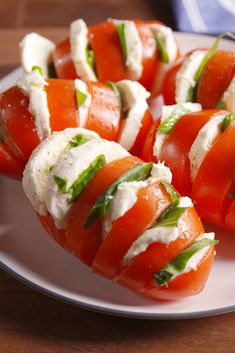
[178,265]
[51,70]
[37,68]
[61,183]
[191,96]
[90,57]
[139,172]
[114,88]
[83,179]
[227,121]
[171,217]
[167,126]
[78,140]
[171,191]
[122,37]
[162,50]
[81,97]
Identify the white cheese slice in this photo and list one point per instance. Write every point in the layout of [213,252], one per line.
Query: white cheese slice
[79,43]
[44,157]
[185,75]
[83,111]
[158,234]
[166,113]
[134,97]
[204,141]
[32,84]
[69,166]
[229,97]
[36,50]
[134,48]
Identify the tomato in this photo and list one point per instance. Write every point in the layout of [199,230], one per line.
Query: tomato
[229,218]
[48,223]
[169,84]
[147,147]
[214,179]
[10,165]
[184,285]
[62,104]
[151,201]
[63,62]
[19,131]
[104,114]
[140,271]
[84,243]
[215,78]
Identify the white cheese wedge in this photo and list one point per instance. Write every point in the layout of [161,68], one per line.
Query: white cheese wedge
[83,111]
[158,234]
[32,84]
[79,43]
[134,48]
[69,166]
[166,113]
[36,50]
[134,97]
[229,97]
[203,142]
[42,159]
[185,75]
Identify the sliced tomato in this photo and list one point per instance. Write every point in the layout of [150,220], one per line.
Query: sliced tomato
[169,84]
[184,285]
[17,123]
[48,223]
[10,165]
[140,271]
[215,78]
[147,147]
[62,104]
[104,114]
[84,243]
[214,179]
[63,62]
[230,217]
[151,201]
[177,146]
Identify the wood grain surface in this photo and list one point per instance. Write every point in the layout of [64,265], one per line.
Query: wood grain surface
[31,322]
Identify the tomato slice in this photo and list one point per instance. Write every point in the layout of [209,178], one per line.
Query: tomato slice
[147,147]
[215,178]
[10,165]
[187,284]
[230,217]
[151,201]
[62,104]
[169,84]
[84,243]
[48,223]
[104,114]
[215,78]
[63,62]
[140,271]
[19,131]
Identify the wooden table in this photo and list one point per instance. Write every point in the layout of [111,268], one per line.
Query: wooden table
[31,322]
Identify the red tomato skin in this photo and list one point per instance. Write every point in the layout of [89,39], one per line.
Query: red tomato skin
[147,147]
[10,165]
[63,62]
[215,78]
[185,285]
[168,87]
[230,217]
[48,223]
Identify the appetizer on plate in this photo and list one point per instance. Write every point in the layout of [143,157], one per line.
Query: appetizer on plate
[119,215]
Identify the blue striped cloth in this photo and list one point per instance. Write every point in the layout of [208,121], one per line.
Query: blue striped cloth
[205,16]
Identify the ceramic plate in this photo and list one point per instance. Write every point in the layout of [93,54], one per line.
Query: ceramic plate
[29,254]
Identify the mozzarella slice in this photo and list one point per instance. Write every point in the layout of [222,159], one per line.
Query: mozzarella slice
[158,234]
[204,141]
[69,166]
[83,111]
[134,48]
[32,84]
[36,50]
[134,97]
[166,113]
[185,75]
[42,159]
[79,43]
[229,97]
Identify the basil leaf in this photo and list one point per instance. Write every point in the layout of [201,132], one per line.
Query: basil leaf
[171,217]
[178,265]
[171,191]
[61,183]
[83,179]
[81,97]
[90,57]
[227,121]
[78,140]
[1,138]
[114,88]
[139,172]
[167,126]
[162,50]
[122,37]
[51,70]
[37,68]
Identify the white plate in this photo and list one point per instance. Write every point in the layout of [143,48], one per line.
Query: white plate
[28,253]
